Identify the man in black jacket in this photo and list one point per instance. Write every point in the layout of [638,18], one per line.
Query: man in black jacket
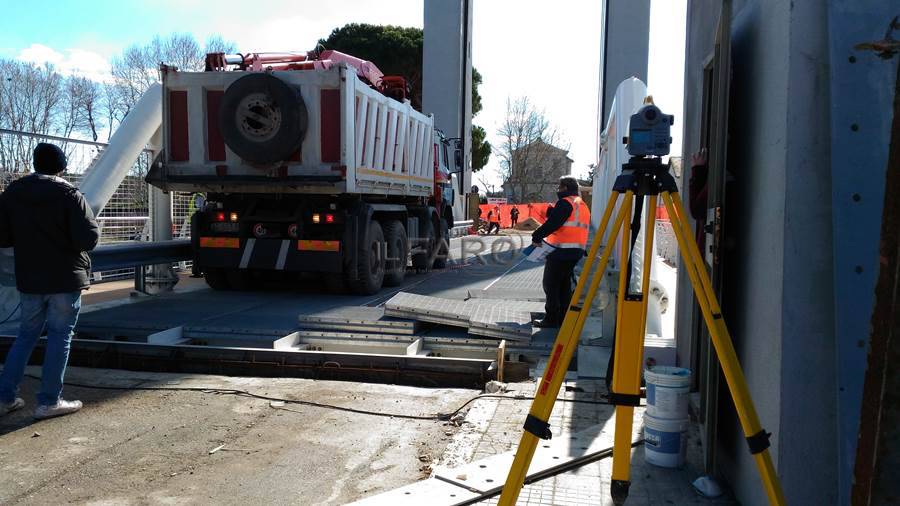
[566,229]
[51,228]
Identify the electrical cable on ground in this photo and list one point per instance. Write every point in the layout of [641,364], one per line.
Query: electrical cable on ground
[244,393]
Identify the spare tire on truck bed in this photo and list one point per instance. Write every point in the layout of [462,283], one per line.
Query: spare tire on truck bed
[262,118]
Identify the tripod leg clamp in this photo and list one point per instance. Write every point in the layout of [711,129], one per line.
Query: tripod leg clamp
[759,442]
[624,399]
[537,427]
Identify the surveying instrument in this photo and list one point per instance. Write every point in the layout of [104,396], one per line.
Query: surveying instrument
[644,176]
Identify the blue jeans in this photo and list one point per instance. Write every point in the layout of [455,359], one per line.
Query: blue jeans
[59,311]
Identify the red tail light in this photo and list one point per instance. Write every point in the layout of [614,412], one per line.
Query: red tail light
[329,218]
[220,216]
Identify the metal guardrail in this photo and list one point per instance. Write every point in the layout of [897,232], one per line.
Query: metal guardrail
[138,253]
[461,228]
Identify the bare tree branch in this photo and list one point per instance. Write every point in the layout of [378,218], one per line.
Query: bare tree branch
[532,151]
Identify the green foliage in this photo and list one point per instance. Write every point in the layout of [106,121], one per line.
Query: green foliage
[476,97]
[481,148]
[397,50]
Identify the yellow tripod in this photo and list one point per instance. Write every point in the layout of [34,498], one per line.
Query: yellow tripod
[641,177]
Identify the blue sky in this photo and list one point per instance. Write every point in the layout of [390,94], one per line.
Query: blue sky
[521,47]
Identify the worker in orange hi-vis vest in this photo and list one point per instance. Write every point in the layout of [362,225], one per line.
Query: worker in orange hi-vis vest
[566,229]
[494,219]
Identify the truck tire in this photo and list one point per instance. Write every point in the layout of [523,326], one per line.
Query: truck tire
[443,250]
[262,118]
[370,264]
[397,252]
[423,260]
[216,279]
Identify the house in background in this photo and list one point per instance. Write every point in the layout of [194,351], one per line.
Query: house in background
[536,169]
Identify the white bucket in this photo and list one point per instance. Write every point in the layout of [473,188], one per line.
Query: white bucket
[665,441]
[668,389]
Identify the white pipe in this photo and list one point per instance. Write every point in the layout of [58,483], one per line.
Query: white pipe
[132,136]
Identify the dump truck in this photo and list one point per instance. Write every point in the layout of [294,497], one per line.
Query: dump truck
[305,163]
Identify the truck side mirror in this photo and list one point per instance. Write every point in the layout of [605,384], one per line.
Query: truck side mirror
[457,155]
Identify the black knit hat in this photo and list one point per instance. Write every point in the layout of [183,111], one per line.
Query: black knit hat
[48,159]
[569,183]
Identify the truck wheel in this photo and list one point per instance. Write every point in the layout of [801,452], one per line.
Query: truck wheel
[397,252]
[443,249]
[216,279]
[422,261]
[262,118]
[370,265]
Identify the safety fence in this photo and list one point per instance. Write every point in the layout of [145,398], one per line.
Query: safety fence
[666,244]
[126,216]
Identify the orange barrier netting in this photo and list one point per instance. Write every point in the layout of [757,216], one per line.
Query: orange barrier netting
[538,211]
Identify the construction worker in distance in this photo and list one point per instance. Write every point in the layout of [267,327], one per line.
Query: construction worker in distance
[514,217]
[51,228]
[566,229]
[494,220]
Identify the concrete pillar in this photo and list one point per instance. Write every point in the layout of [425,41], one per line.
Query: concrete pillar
[447,76]
[624,44]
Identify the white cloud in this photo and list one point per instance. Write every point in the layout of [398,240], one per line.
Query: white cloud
[40,54]
[74,61]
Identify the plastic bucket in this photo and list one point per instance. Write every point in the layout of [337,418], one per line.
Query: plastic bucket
[665,441]
[668,389]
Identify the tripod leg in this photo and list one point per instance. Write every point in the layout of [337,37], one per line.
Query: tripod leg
[629,350]
[757,438]
[536,426]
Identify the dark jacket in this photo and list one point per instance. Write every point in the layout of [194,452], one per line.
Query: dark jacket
[51,228]
[697,194]
[556,216]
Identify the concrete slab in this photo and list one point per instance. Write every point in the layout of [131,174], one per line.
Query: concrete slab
[150,447]
[593,361]
[430,491]
[357,319]
[533,295]
[480,318]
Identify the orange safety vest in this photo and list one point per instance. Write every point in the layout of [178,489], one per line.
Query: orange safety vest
[495,217]
[574,232]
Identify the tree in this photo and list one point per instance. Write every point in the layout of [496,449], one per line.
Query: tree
[88,96]
[112,106]
[530,145]
[398,50]
[481,148]
[31,100]
[137,68]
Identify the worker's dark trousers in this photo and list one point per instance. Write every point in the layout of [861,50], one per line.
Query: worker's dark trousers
[494,226]
[557,288]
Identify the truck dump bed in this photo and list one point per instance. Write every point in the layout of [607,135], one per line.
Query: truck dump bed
[355,140]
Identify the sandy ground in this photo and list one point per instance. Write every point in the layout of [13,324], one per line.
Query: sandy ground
[135,448]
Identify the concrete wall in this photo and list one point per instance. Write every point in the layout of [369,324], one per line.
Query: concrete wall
[702,18]
[808,410]
[447,74]
[624,44]
[777,283]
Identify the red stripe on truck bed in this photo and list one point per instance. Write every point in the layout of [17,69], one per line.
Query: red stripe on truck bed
[215,144]
[330,122]
[178,126]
